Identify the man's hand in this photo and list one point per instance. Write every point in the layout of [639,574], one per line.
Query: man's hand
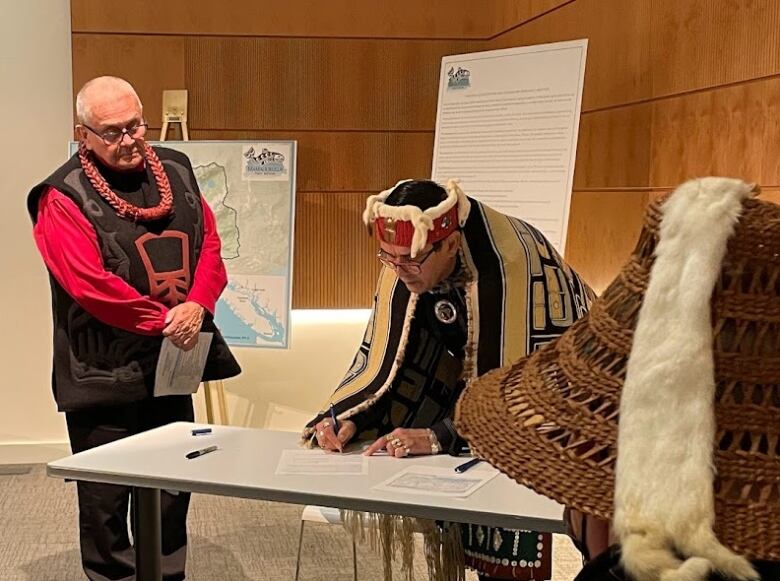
[402,442]
[183,324]
[329,440]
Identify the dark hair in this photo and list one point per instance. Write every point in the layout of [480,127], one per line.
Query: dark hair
[421,193]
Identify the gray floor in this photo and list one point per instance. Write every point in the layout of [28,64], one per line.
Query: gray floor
[230,539]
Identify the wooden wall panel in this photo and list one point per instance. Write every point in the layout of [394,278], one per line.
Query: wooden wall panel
[715,132]
[770,195]
[618,33]
[348,161]
[613,148]
[770,166]
[674,89]
[603,229]
[708,43]
[509,14]
[151,64]
[335,260]
[301,18]
[646,49]
[292,84]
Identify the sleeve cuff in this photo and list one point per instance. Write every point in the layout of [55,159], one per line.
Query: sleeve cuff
[362,422]
[448,437]
[209,305]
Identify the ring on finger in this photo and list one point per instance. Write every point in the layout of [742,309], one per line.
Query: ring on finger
[389,437]
[397,442]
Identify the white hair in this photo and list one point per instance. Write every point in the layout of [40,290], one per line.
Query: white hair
[106,83]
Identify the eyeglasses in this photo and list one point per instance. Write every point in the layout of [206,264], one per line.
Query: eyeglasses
[410,266]
[114,135]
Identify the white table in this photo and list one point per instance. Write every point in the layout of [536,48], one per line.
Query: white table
[245,465]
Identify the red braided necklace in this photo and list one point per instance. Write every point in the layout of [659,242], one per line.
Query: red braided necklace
[123,207]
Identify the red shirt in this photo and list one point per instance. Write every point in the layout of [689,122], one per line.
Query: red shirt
[69,246]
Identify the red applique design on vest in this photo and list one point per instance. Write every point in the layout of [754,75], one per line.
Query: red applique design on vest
[169,287]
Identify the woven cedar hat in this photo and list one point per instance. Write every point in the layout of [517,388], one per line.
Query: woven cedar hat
[684,349]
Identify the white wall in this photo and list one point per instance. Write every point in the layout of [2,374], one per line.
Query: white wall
[281,389]
[36,105]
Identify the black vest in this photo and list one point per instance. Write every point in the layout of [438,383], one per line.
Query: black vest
[98,365]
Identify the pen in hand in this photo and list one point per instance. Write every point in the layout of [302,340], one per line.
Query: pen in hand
[461,468]
[335,426]
[198,453]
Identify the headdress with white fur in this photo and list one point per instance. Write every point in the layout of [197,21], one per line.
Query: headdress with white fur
[409,225]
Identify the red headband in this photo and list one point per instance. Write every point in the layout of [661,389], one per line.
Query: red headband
[400,232]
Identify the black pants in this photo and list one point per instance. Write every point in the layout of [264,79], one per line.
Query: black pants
[106,552]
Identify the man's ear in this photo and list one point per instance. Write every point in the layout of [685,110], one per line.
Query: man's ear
[81,135]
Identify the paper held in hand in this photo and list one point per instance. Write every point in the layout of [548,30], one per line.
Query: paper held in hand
[180,372]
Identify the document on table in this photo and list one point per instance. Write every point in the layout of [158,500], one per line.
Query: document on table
[179,372]
[507,124]
[321,463]
[438,481]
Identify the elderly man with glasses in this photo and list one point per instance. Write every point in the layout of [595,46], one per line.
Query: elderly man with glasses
[465,290]
[133,256]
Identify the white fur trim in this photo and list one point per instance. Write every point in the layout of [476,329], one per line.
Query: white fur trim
[464,206]
[664,499]
[471,361]
[376,199]
[397,360]
[422,220]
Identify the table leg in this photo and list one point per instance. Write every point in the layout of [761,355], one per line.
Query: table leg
[148,534]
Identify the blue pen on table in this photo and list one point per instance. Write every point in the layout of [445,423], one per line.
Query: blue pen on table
[460,469]
[198,453]
[201,431]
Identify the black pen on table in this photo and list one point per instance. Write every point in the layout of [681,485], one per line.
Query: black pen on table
[198,453]
[335,421]
[461,468]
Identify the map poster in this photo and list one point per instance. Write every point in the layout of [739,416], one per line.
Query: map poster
[250,186]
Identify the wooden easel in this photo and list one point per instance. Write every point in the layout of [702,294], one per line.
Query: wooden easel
[174,110]
[219,387]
